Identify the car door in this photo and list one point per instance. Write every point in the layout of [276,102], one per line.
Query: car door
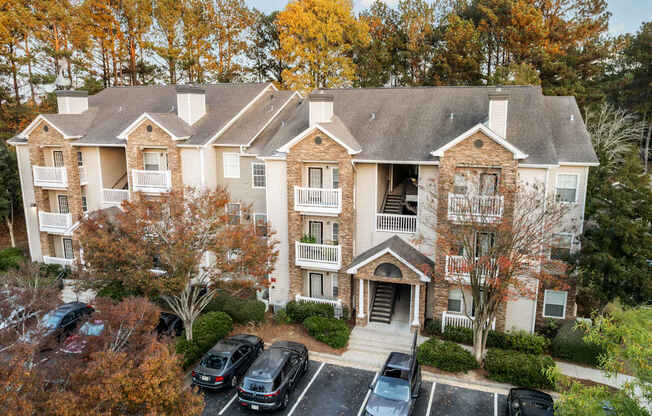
[236,361]
[246,359]
[294,364]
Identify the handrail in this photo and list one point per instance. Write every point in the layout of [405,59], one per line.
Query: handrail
[382,207]
[119,180]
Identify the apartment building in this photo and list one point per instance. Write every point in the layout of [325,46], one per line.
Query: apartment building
[355,182]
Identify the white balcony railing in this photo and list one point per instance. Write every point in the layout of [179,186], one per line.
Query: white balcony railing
[321,200]
[458,320]
[114,197]
[58,260]
[483,208]
[394,223]
[50,222]
[318,255]
[152,181]
[336,303]
[50,177]
[456,266]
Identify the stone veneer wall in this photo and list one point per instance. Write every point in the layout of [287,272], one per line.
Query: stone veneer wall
[140,139]
[466,156]
[37,139]
[328,151]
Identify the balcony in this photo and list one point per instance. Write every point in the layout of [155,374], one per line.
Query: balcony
[394,223]
[50,177]
[152,181]
[459,320]
[475,208]
[319,256]
[318,200]
[456,267]
[59,260]
[114,197]
[50,222]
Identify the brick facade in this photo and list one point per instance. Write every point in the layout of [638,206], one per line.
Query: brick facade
[570,304]
[327,151]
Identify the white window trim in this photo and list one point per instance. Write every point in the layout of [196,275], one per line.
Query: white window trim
[577,186]
[545,301]
[63,247]
[239,210]
[224,167]
[333,170]
[253,175]
[256,215]
[461,299]
[572,241]
[159,162]
[63,157]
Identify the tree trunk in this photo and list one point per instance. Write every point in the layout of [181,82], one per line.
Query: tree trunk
[187,326]
[29,68]
[14,73]
[646,151]
[10,227]
[132,61]
[478,345]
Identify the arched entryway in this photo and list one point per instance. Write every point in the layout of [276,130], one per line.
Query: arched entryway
[388,270]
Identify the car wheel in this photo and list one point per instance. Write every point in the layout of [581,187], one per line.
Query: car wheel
[286,400]
[234,381]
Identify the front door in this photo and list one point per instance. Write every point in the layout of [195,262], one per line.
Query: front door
[315,178]
[488,184]
[317,231]
[63,204]
[57,158]
[316,285]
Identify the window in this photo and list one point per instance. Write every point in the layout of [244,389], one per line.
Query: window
[258,172]
[80,159]
[455,301]
[488,183]
[260,222]
[336,178]
[336,233]
[67,249]
[459,186]
[554,304]
[233,255]
[57,158]
[231,163]
[560,246]
[63,204]
[483,243]
[233,211]
[84,204]
[567,187]
[155,161]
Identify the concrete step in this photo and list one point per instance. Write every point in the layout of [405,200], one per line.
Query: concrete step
[381,314]
[383,299]
[382,307]
[380,319]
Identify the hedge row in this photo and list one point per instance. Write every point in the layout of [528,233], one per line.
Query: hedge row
[207,330]
[446,355]
[242,311]
[517,341]
[10,258]
[569,344]
[331,331]
[519,369]
[298,312]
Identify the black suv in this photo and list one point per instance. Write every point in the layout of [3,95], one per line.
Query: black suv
[529,402]
[397,388]
[273,375]
[227,361]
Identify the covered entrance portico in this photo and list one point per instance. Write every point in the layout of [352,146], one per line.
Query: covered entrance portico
[390,284]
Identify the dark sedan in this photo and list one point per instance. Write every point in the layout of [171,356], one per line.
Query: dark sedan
[529,402]
[169,325]
[58,323]
[225,363]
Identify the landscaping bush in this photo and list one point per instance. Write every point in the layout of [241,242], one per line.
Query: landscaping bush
[281,317]
[331,331]
[10,258]
[242,311]
[458,334]
[116,291]
[206,331]
[298,312]
[519,369]
[570,345]
[445,355]
[518,341]
[433,327]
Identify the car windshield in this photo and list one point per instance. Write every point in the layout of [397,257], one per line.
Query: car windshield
[257,385]
[51,320]
[392,388]
[92,328]
[215,362]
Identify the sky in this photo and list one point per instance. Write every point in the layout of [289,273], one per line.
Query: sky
[627,15]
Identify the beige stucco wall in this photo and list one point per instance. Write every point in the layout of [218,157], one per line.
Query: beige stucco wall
[277,217]
[27,189]
[241,188]
[365,206]
[190,167]
[210,167]
[93,190]
[113,161]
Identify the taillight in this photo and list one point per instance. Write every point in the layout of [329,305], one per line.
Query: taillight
[194,373]
[219,378]
[272,394]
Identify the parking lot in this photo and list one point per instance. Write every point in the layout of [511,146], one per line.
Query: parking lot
[329,390]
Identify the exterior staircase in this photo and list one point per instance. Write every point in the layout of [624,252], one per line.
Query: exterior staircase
[393,204]
[383,306]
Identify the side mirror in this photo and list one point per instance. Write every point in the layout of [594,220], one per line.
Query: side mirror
[371,385]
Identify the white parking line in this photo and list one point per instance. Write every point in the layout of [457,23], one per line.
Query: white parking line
[366,398]
[235,396]
[306,389]
[495,404]
[432,395]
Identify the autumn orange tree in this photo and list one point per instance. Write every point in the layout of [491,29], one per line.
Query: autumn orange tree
[501,246]
[170,246]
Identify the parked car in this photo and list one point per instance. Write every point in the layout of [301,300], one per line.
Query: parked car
[169,324]
[225,363]
[529,402]
[397,388]
[58,323]
[270,379]
[75,344]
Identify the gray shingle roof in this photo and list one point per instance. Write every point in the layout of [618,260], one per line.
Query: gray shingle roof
[406,124]
[173,124]
[399,246]
[339,130]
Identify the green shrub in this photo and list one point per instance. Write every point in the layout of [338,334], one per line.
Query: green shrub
[433,327]
[458,334]
[115,290]
[569,344]
[446,355]
[298,312]
[241,310]
[10,258]
[519,369]
[550,328]
[519,341]
[331,331]
[281,317]
[207,330]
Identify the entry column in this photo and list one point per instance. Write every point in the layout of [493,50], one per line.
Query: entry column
[361,300]
[416,300]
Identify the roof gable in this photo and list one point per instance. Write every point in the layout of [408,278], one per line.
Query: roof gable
[518,154]
[341,137]
[41,117]
[174,132]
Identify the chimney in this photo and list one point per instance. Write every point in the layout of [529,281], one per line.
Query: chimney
[498,112]
[72,102]
[191,103]
[321,108]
